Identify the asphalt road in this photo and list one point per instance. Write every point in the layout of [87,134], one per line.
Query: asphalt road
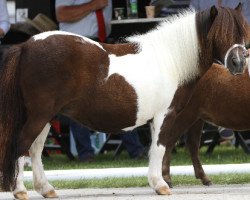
[230,192]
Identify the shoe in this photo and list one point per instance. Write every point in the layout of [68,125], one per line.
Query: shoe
[226,134]
[87,159]
[141,155]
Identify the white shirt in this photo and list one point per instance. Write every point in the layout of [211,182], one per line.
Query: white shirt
[4,17]
[86,26]
[203,4]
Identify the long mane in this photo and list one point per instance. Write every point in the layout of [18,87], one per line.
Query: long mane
[174,46]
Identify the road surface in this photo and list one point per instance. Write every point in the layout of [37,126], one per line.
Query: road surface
[216,192]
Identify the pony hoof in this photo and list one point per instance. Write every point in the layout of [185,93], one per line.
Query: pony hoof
[21,196]
[169,184]
[207,183]
[50,194]
[163,191]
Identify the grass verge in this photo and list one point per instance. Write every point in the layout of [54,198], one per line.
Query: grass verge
[222,155]
[221,179]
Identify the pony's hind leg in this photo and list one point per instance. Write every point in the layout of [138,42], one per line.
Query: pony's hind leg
[193,144]
[156,154]
[40,181]
[20,191]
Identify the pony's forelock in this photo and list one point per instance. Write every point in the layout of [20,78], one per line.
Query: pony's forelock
[231,21]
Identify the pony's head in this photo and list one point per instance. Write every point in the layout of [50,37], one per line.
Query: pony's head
[219,29]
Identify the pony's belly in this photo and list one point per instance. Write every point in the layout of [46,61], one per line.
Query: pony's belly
[229,119]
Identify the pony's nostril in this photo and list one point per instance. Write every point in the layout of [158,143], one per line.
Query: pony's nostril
[235,61]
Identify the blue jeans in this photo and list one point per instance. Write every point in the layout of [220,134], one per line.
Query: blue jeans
[132,143]
[81,135]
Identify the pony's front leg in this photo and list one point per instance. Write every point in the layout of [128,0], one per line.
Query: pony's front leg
[40,181]
[193,145]
[166,169]
[20,191]
[156,154]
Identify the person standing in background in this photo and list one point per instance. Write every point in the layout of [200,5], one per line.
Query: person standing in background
[4,27]
[92,19]
[85,17]
[4,19]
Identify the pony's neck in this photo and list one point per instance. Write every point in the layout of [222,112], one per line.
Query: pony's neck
[174,47]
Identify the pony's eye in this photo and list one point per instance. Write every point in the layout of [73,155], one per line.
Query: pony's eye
[246,54]
[247,45]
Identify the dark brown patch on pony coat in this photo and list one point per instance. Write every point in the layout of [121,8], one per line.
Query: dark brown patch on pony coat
[226,101]
[121,49]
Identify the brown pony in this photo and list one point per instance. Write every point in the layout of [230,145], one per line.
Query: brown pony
[109,87]
[218,98]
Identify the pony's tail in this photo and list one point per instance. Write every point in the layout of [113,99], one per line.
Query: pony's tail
[12,117]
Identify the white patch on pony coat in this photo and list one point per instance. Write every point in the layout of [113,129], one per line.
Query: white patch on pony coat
[40,181]
[44,35]
[156,154]
[168,57]
[19,181]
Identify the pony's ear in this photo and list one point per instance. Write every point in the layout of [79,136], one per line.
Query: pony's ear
[239,7]
[213,13]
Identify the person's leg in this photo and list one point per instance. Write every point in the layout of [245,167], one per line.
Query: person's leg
[132,143]
[81,135]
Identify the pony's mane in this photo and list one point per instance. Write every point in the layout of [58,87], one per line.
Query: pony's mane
[137,38]
[234,26]
[170,44]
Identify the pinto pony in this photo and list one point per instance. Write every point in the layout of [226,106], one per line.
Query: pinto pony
[109,87]
[41,183]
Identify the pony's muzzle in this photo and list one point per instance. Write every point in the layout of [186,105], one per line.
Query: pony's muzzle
[238,64]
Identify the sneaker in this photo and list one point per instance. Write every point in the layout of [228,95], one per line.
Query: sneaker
[141,155]
[226,134]
[87,159]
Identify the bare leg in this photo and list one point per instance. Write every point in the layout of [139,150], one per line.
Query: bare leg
[20,191]
[193,144]
[156,154]
[40,181]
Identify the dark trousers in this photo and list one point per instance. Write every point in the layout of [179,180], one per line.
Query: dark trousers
[132,143]
[84,149]
[81,135]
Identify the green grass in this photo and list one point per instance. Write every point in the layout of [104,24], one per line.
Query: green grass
[223,154]
[142,181]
